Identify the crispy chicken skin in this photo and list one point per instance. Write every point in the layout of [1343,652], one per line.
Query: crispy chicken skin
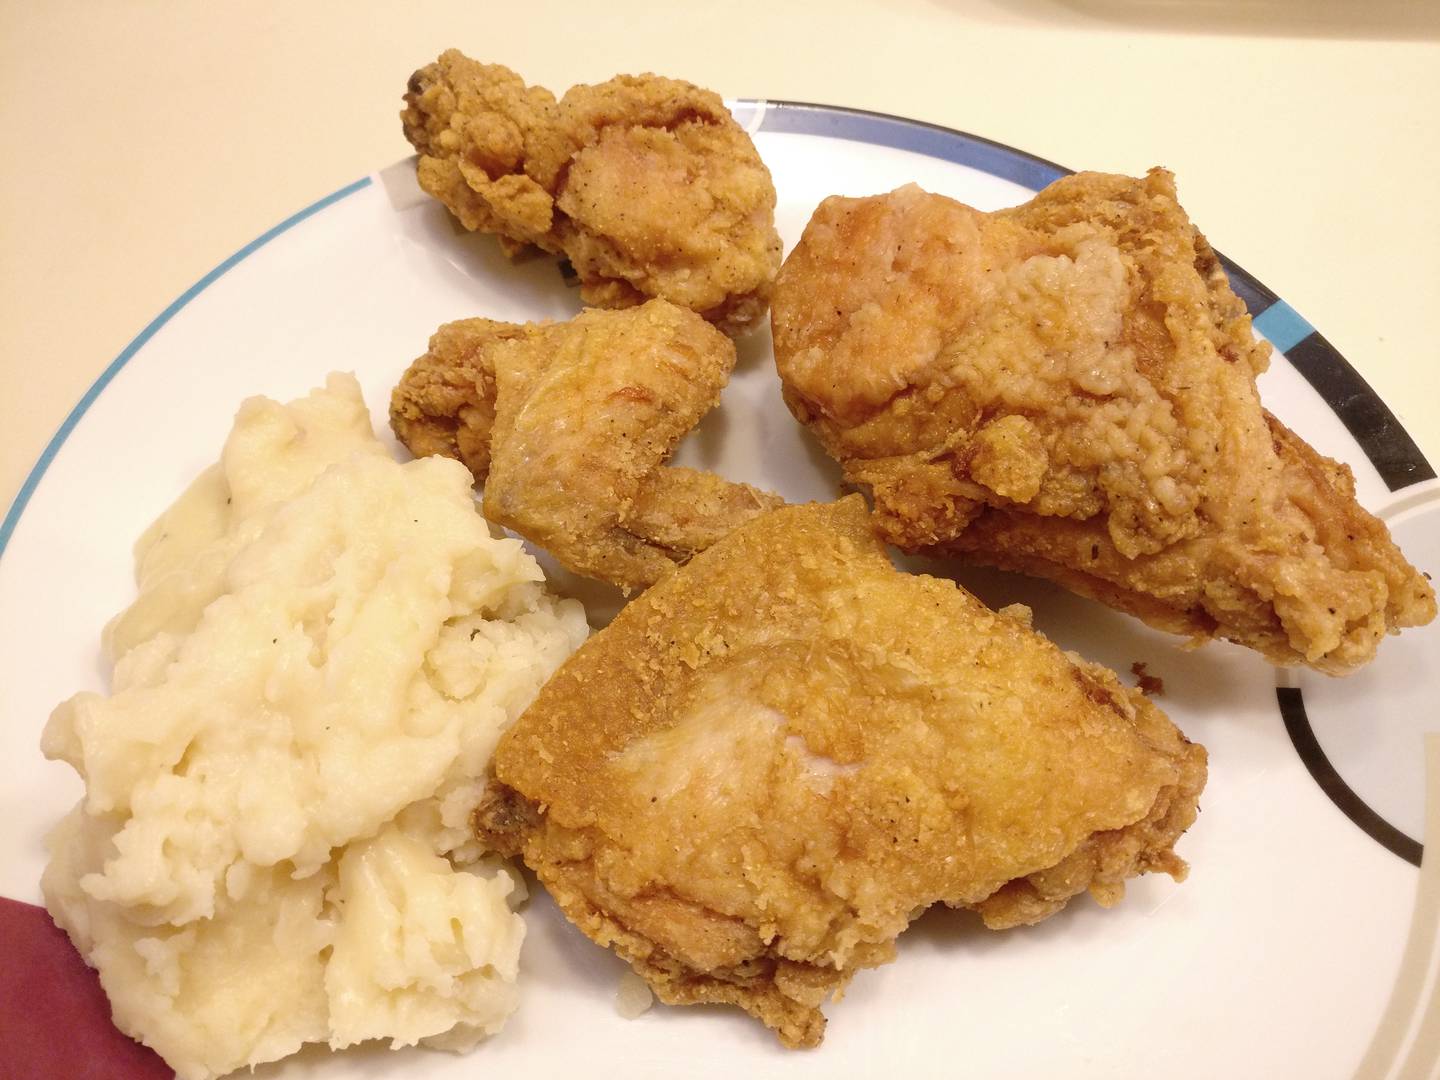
[568,425]
[1067,388]
[754,779]
[646,184]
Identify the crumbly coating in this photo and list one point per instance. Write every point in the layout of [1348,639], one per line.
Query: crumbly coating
[569,425]
[646,184]
[767,765]
[1068,388]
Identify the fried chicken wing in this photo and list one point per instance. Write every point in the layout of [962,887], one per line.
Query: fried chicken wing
[647,185]
[754,779]
[1067,388]
[568,425]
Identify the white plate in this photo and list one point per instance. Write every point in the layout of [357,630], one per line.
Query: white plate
[1304,942]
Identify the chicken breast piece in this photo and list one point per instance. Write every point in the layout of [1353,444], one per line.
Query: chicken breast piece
[568,425]
[1067,388]
[754,779]
[646,185]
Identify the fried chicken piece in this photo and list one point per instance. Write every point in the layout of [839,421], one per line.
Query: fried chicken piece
[754,779]
[1067,388]
[647,185]
[568,425]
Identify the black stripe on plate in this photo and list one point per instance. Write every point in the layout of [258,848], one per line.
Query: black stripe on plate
[1292,710]
[1369,420]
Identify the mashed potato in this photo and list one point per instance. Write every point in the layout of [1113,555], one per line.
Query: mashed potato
[273,847]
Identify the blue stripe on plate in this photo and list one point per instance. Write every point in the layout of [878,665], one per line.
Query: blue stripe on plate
[878,129]
[1283,326]
[27,489]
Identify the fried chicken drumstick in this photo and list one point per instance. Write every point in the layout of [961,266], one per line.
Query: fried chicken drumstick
[754,779]
[1067,388]
[568,425]
[646,185]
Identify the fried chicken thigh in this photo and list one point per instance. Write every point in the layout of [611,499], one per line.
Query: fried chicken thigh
[568,425]
[646,185]
[754,779]
[1067,388]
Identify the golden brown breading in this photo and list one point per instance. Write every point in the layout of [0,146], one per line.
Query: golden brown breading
[1067,388]
[647,185]
[445,402]
[756,777]
[568,425]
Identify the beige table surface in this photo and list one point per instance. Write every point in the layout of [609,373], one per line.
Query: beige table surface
[144,142]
